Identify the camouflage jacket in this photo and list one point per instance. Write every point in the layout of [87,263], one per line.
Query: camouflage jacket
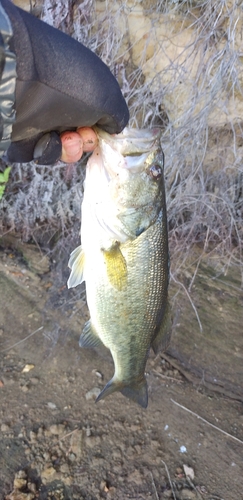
[7,81]
[54,84]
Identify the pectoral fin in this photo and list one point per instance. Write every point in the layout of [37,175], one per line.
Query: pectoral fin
[76,264]
[116,267]
[89,337]
[162,339]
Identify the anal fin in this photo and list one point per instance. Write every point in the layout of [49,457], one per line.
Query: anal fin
[89,337]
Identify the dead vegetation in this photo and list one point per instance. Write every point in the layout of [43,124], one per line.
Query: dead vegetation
[202,123]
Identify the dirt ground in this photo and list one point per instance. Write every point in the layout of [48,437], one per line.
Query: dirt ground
[57,444]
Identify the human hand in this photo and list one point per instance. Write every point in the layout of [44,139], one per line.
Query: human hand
[61,86]
[74,144]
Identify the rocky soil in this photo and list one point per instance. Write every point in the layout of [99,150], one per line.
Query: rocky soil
[56,443]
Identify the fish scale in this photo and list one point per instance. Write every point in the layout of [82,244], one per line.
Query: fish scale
[126,281]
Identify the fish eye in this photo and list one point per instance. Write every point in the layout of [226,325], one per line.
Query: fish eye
[155,171]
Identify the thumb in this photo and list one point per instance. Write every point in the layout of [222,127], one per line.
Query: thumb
[43,149]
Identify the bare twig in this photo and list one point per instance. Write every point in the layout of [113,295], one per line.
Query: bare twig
[154,487]
[168,474]
[208,423]
[23,340]
[178,381]
[69,434]
[191,301]
[193,487]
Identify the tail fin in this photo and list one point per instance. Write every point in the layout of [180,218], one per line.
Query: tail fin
[137,392]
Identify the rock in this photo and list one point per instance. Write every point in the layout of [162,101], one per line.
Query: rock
[77,443]
[32,487]
[65,469]
[57,429]
[167,494]
[188,494]
[189,471]
[40,432]
[93,393]
[34,380]
[25,388]
[19,483]
[93,441]
[21,474]
[5,428]
[48,474]
[183,449]
[72,457]
[68,480]
[37,262]
[27,368]
[52,406]
[18,495]
[33,437]
[135,477]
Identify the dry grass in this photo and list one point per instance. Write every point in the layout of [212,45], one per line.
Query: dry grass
[203,159]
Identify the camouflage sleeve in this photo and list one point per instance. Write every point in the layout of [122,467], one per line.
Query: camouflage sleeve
[7,82]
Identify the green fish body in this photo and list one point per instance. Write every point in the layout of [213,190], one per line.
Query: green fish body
[124,257]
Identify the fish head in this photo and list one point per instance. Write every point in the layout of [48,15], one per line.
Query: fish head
[134,164]
[123,192]
[133,150]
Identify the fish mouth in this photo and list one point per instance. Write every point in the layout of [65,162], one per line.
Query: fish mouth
[132,142]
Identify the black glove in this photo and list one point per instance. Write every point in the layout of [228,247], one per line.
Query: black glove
[61,85]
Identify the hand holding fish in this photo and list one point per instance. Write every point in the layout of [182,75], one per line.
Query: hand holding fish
[50,84]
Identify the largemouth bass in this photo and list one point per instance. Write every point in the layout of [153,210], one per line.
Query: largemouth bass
[124,256]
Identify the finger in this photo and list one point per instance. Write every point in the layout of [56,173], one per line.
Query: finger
[48,149]
[89,137]
[72,146]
